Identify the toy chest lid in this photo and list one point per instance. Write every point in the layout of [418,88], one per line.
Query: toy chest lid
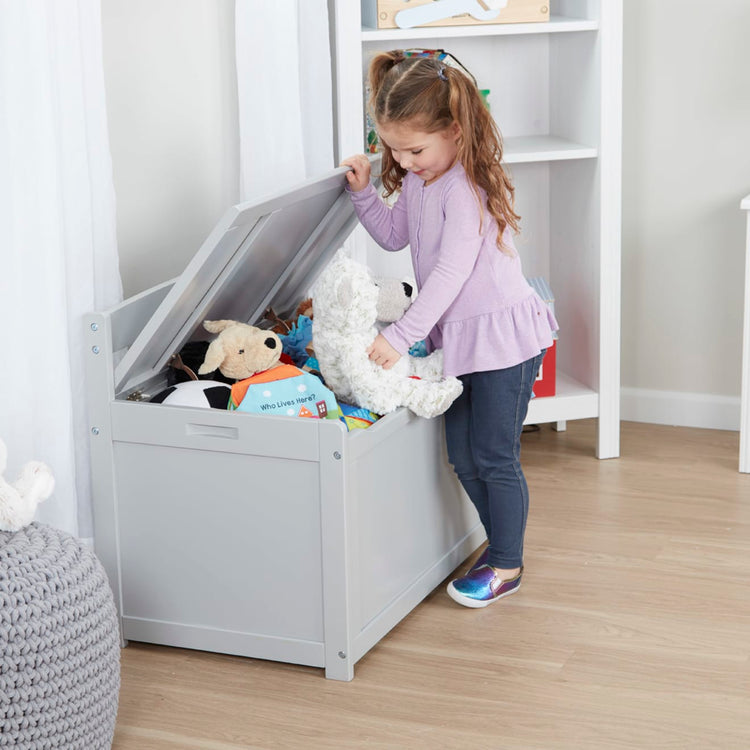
[261,253]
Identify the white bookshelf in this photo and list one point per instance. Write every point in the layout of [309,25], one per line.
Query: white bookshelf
[542,148]
[554,25]
[555,89]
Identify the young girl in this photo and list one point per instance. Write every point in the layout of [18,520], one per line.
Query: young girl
[442,150]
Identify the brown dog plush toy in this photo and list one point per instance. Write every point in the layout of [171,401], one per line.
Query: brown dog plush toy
[240,350]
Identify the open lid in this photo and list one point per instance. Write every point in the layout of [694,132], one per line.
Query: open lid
[262,253]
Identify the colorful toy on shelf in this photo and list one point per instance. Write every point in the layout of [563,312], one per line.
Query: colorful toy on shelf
[546,381]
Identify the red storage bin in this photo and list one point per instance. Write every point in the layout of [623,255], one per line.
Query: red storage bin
[545,380]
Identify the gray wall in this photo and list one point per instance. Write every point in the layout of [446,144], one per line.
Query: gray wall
[686,166]
[169,69]
[171,89]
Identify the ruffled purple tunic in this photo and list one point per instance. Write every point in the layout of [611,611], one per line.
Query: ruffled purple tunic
[473,300]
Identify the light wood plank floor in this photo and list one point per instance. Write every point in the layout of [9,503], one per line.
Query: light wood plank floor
[632,630]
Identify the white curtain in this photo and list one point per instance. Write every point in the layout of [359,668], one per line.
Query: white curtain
[58,252]
[284,91]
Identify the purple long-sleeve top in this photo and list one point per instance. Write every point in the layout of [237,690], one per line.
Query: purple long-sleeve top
[473,300]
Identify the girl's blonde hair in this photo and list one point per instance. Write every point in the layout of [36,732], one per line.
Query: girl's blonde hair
[431,96]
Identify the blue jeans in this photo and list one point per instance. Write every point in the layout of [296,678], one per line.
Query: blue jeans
[483,434]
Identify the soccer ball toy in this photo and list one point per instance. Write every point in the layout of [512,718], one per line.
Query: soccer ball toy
[196,393]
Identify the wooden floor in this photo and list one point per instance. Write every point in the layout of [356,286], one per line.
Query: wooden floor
[632,630]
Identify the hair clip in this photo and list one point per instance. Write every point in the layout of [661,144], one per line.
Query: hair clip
[441,74]
[440,55]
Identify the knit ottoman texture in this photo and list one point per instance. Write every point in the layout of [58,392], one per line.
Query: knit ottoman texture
[59,643]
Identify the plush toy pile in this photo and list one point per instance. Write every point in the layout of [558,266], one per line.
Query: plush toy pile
[239,351]
[251,359]
[316,364]
[347,305]
[296,335]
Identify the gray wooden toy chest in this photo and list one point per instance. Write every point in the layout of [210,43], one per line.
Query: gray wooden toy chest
[271,537]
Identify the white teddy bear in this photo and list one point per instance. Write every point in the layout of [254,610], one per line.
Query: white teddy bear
[18,501]
[346,311]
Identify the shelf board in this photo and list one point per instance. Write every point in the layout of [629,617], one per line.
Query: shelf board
[556,24]
[571,401]
[540,148]
[536,148]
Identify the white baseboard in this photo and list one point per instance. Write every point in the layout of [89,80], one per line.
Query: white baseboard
[681,409]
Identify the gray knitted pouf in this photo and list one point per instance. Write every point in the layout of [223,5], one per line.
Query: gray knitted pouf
[59,643]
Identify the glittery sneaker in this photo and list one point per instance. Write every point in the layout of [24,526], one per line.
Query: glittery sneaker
[481,586]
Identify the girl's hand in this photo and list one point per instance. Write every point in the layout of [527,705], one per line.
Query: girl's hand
[382,353]
[359,177]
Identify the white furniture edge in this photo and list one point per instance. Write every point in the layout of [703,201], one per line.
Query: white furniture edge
[745,394]
[610,163]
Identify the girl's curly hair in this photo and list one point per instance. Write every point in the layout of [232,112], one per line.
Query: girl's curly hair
[430,95]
